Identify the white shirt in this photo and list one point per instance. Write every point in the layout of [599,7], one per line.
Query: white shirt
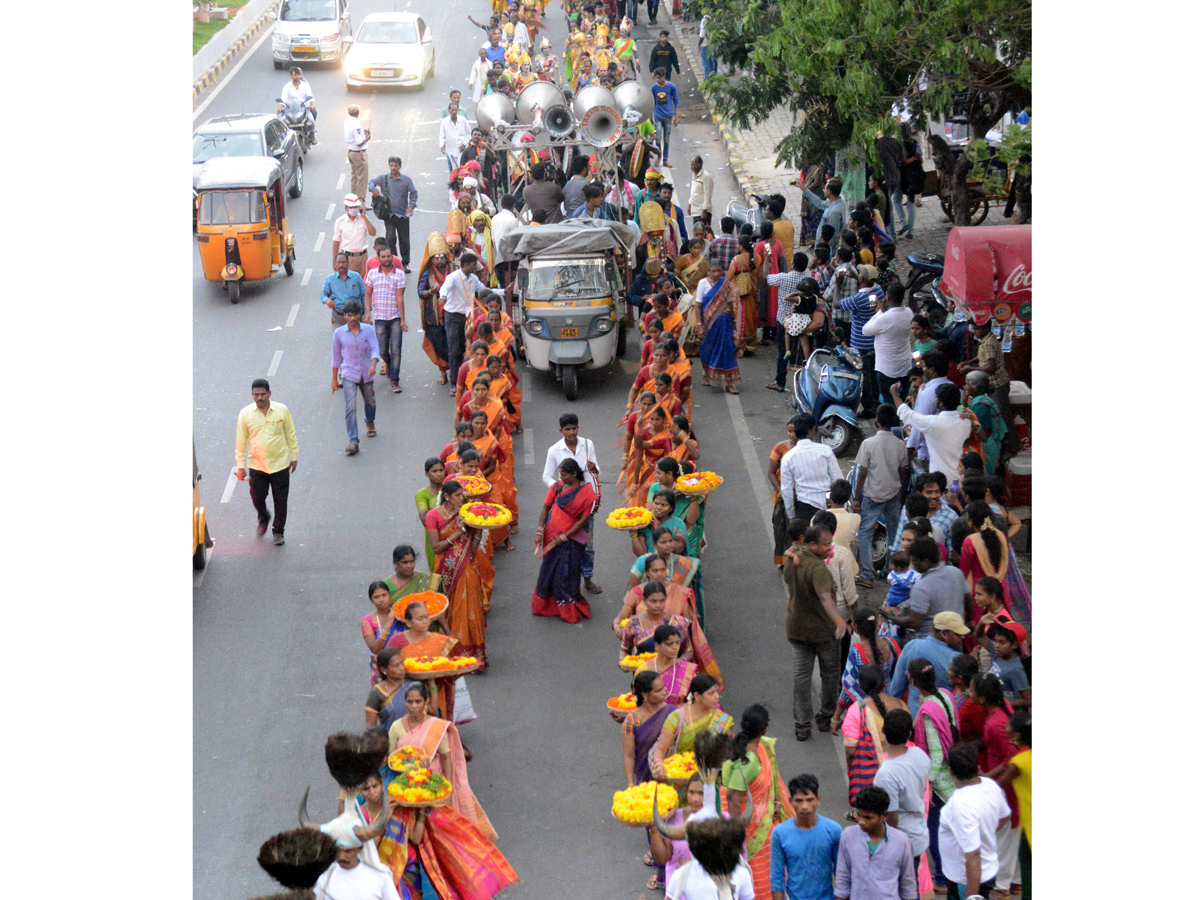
[703,31]
[700,197]
[458,290]
[585,452]
[350,234]
[478,80]
[969,821]
[893,340]
[356,138]
[805,474]
[944,437]
[303,93]
[502,223]
[691,882]
[454,136]
[363,882]
[521,36]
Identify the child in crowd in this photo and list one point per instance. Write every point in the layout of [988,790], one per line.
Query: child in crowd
[971,713]
[970,463]
[900,579]
[840,493]
[1007,638]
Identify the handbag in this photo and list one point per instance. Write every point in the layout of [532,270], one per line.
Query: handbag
[464,709]
[381,206]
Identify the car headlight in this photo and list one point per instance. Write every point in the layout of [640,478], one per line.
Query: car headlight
[535,326]
[603,325]
[279,40]
[331,38]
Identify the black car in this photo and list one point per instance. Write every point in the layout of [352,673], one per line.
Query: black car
[250,135]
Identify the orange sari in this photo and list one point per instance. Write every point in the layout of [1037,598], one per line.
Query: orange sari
[506,391]
[681,377]
[463,390]
[657,447]
[504,491]
[467,579]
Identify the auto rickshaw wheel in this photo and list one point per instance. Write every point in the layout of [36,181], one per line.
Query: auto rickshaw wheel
[570,379]
[235,291]
[287,264]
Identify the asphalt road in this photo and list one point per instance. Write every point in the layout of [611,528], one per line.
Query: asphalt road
[278,661]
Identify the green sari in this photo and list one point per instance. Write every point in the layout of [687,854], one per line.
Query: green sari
[419,582]
[992,422]
[715,722]
[425,502]
[759,778]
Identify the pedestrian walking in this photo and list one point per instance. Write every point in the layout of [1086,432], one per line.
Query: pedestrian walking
[806,472]
[968,826]
[700,194]
[904,776]
[453,136]
[804,849]
[875,859]
[352,232]
[385,305]
[266,446]
[891,330]
[340,287]
[401,204]
[583,451]
[878,487]
[457,293]
[814,628]
[355,353]
[356,151]
[666,111]
[663,56]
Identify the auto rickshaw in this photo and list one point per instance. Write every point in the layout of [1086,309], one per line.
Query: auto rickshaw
[241,221]
[200,538]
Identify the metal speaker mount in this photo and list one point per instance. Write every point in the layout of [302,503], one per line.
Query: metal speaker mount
[493,109]
[596,109]
[634,97]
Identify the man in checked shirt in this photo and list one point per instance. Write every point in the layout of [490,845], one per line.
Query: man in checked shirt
[385,300]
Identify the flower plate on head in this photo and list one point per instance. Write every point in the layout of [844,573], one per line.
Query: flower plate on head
[636,661]
[680,768]
[485,515]
[406,758]
[623,704]
[436,603]
[473,485]
[632,806]
[425,667]
[418,786]
[698,482]
[629,518]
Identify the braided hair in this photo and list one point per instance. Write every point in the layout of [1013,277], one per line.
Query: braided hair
[866,626]
[923,675]
[870,682]
[643,684]
[755,720]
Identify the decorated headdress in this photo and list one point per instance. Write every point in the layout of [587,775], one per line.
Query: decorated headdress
[650,217]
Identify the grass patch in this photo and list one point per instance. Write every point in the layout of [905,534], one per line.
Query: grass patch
[201,34]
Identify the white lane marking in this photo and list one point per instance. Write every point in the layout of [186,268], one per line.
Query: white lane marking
[758,479]
[230,485]
[341,181]
[528,435]
[275,362]
[320,241]
[329,212]
[292,315]
[267,32]
[304,280]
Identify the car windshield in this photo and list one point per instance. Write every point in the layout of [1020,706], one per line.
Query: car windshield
[387,33]
[232,208]
[206,146]
[573,281]
[307,10]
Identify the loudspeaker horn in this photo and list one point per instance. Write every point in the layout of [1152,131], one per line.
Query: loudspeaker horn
[634,97]
[493,109]
[541,94]
[599,122]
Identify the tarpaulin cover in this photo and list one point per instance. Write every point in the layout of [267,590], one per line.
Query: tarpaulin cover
[989,271]
[571,236]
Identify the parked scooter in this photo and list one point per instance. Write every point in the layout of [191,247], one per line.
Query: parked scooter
[295,117]
[743,212]
[923,296]
[828,388]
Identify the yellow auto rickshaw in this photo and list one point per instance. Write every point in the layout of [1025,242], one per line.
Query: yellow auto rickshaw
[200,538]
[241,221]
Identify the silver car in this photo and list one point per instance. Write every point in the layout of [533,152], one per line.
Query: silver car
[391,49]
[310,31]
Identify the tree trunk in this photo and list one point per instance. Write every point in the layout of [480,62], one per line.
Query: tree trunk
[959,200]
[1023,211]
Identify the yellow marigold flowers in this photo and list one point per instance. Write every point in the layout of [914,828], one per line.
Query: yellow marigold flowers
[636,661]
[629,518]
[681,765]
[474,485]
[406,758]
[623,702]
[485,515]
[698,482]
[418,785]
[436,603]
[633,805]
[438,663]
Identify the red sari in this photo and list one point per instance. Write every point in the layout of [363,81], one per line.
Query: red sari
[647,459]
[558,591]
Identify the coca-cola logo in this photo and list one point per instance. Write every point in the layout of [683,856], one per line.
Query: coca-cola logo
[1018,280]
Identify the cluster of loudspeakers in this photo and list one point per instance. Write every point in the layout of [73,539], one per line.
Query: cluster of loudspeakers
[596,112]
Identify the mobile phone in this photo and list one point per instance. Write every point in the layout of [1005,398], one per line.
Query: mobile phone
[917,355]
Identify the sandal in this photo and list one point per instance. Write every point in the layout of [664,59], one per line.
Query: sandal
[592,587]
[647,860]
[370,431]
[351,449]
[442,380]
[730,390]
[774,387]
[652,882]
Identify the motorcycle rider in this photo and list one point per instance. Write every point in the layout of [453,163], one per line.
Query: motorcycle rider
[298,90]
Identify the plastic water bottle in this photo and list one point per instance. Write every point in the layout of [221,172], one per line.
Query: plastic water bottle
[1006,343]
[1019,329]
[997,329]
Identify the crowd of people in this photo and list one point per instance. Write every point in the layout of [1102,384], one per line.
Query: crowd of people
[928,687]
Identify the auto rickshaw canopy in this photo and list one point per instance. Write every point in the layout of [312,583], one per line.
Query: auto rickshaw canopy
[989,272]
[234,172]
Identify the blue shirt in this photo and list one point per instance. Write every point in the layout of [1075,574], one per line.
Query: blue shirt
[929,648]
[401,192]
[666,100]
[353,353]
[858,305]
[806,857]
[343,290]
[495,54]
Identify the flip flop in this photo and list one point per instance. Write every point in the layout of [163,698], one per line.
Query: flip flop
[593,588]
[351,449]
[370,431]
[774,387]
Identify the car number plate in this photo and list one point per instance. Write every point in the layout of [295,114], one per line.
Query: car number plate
[381,73]
[305,49]
[570,332]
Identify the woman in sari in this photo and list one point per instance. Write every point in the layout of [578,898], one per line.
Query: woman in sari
[462,569]
[753,770]
[639,733]
[679,367]
[479,239]
[665,397]
[779,518]
[862,734]
[498,426]
[379,626]
[663,519]
[627,425]
[718,354]
[769,260]
[644,380]
[687,445]
[701,713]
[438,740]
[417,640]
[503,387]
[405,579]
[654,333]
[561,540]
[691,266]
[935,729]
[677,674]
[491,457]
[992,429]
[742,277]
[435,268]
[637,634]
[985,551]
[502,343]
[670,853]
[385,700]
[651,442]
[680,601]
[473,366]
[682,570]
[426,499]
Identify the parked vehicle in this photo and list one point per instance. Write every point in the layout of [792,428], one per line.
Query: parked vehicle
[201,540]
[744,212]
[925,269]
[828,388]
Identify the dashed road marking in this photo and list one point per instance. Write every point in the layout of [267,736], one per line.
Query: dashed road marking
[304,280]
[329,212]
[275,363]
[292,315]
[528,439]
[341,181]
[320,241]
[230,485]
[758,480]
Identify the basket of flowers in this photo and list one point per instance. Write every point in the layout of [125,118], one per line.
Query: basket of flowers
[436,603]
[629,518]
[680,768]
[427,668]
[417,786]
[636,661]
[621,705]
[474,485]
[485,515]
[633,806]
[405,758]
[698,483]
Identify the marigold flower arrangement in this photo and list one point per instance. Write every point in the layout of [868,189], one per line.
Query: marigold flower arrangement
[434,602]
[485,515]
[438,663]
[406,758]
[699,482]
[623,702]
[633,805]
[629,518]
[681,765]
[418,786]
[636,661]
[474,485]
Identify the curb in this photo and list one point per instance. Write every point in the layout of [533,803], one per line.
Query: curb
[209,78]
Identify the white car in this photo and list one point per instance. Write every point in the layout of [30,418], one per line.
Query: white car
[391,49]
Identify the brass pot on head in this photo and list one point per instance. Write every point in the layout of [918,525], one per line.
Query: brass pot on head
[596,110]
[633,99]
[546,97]
[493,109]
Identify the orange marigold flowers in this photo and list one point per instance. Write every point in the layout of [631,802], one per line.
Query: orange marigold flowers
[418,785]
[485,515]
[474,485]
[438,663]
[434,602]
[629,518]
[406,758]
[698,482]
[624,702]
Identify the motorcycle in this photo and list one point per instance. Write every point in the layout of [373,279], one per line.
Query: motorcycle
[828,388]
[923,296]
[295,117]
[743,213]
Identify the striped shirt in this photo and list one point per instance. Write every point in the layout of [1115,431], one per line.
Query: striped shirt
[387,293]
[861,308]
[943,519]
[805,474]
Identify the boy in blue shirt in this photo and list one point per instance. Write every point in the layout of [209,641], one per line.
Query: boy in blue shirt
[804,849]
[666,111]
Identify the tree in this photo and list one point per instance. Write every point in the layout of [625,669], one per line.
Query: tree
[843,67]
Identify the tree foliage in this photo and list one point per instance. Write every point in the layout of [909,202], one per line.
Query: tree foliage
[841,66]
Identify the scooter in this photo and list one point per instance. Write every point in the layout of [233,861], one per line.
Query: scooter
[828,388]
[743,212]
[923,296]
[295,117]
[879,537]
